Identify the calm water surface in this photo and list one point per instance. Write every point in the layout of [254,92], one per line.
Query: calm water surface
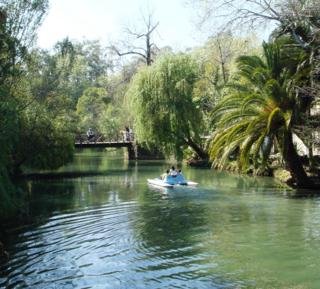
[114,231]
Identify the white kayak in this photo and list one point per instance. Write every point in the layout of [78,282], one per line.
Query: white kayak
[171,181]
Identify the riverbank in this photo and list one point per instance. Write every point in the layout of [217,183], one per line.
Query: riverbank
[59,175]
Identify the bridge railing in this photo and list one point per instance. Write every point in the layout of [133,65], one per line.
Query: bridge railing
[123,137]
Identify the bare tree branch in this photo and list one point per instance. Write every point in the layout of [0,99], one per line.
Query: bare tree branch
[146,50]
[127,53]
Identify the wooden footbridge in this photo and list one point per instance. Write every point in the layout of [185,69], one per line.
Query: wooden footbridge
[127,141]
[100,142]
[131,146]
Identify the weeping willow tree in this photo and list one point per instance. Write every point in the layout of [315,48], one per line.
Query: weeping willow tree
[165,115]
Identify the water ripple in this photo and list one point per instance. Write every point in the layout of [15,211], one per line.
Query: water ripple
[96,246]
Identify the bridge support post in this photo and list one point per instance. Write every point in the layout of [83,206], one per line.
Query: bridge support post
[132,152]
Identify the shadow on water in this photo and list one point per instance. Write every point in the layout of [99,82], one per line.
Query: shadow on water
[47,192]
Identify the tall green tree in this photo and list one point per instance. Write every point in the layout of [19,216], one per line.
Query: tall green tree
[165,114]
[23,18]
[90,107]
[18,23]
[260,108]
[216,60]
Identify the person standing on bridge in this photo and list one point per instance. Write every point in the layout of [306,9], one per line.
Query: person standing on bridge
[131,135]
[90,134]
[127,134]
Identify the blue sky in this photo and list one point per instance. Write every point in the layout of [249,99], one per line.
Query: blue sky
[106,19]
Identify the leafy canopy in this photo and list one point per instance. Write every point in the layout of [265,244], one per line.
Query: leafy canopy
[165,114]
[258,109]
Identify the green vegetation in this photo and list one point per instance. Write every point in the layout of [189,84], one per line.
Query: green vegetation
[12,94]
[258,112]
[165,114]
[249,101]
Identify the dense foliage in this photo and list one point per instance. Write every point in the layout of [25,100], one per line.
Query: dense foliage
[273,98]
[13,54]
[260,108]
[165,114]
[49,97]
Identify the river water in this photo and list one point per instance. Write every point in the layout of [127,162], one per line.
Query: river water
[112,230]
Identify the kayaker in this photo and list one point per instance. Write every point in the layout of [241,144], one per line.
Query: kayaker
[90,134]
[164,175]
[173,171]
[180,173]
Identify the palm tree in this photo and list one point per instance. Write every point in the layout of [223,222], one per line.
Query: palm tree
[261,108]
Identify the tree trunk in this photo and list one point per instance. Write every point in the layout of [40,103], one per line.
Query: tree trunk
[148,51]
[222,61]
[198,149]
[294,164]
